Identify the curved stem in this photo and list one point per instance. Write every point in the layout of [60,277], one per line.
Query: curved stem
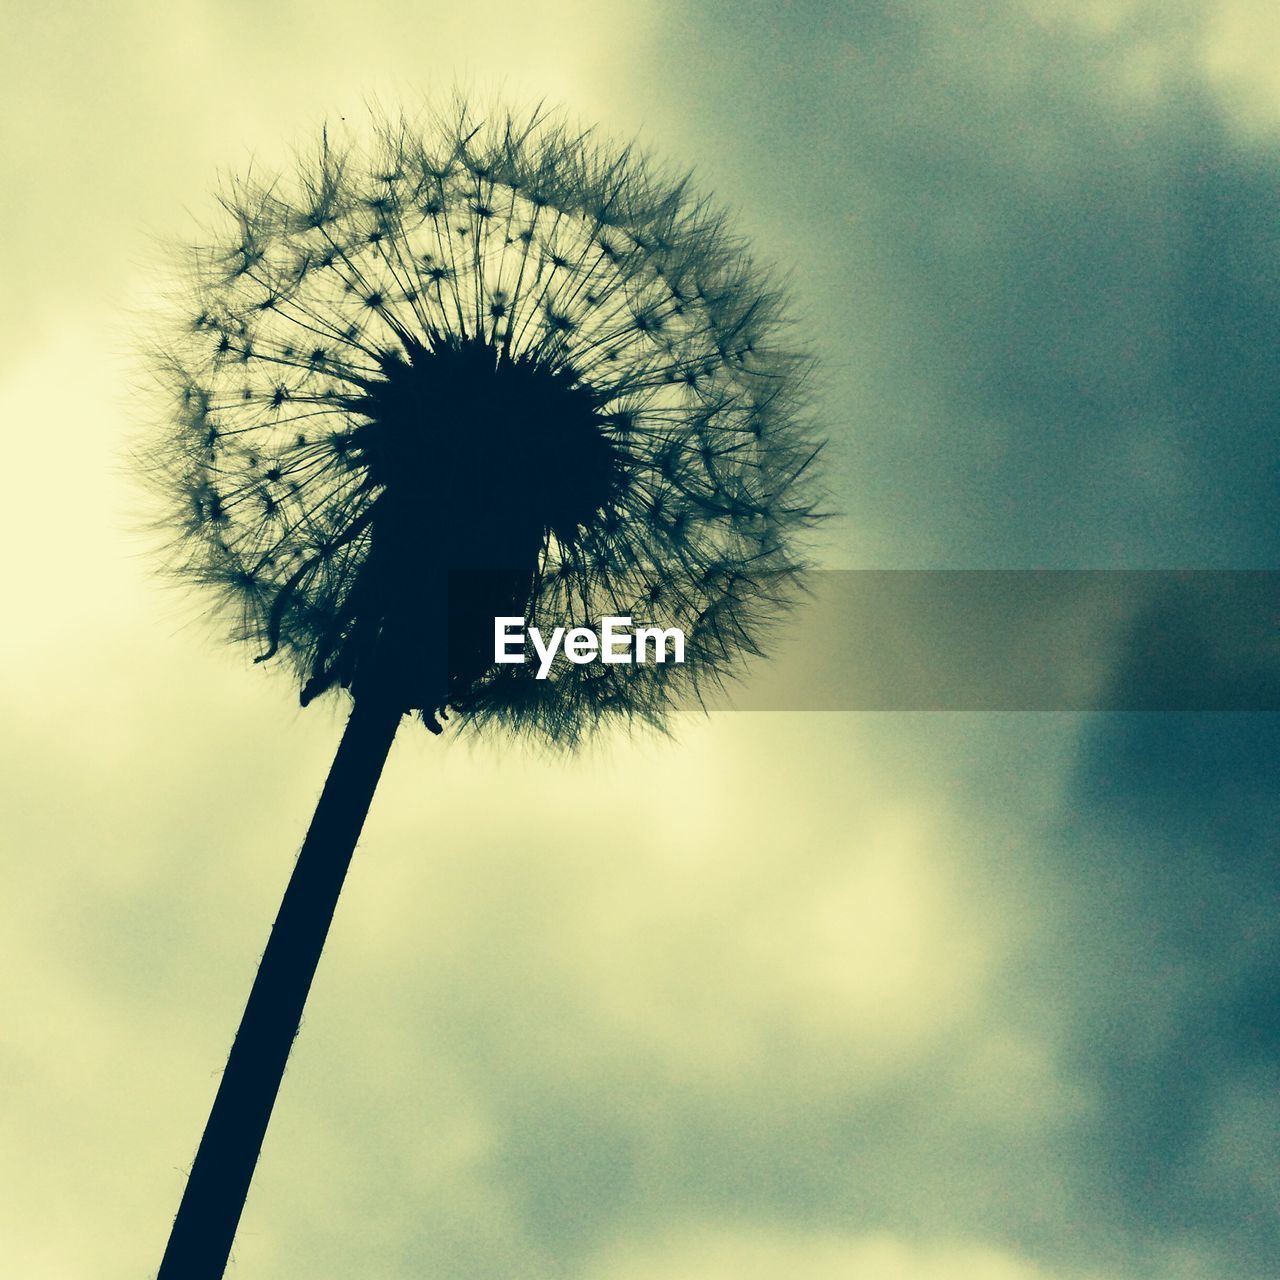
[200,1241]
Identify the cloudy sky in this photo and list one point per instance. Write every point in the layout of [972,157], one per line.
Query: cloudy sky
[846,996]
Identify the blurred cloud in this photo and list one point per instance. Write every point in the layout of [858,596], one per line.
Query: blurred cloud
[1056,293]
[756,1255]
[1167,944]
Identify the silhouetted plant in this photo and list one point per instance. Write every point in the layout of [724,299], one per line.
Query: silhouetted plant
[486,367]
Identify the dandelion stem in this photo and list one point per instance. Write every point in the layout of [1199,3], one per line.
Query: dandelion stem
[205,1226]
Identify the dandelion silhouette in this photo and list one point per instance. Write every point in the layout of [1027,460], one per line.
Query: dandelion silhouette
[483,368]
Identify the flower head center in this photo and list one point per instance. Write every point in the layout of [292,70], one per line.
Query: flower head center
[482,454]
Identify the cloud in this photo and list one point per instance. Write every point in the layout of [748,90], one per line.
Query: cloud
[1044,292]
[1164,959]
[744,1253]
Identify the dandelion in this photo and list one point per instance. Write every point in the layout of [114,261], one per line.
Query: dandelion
[490,367]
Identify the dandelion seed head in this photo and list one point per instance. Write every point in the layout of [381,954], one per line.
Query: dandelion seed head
[484,367]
